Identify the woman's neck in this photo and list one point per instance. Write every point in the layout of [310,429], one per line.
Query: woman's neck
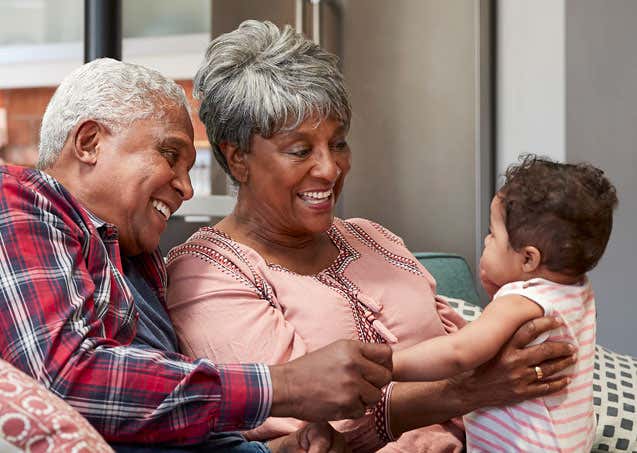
[301,253]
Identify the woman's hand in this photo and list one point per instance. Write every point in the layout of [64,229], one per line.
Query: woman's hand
[510,377]
[312,438]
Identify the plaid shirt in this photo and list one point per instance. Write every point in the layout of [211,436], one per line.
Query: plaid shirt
[68,319]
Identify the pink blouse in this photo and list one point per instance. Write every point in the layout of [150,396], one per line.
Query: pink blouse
[228,304]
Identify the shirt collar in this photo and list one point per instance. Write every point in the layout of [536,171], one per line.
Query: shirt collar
[105,229]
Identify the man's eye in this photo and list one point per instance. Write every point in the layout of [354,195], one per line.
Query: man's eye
[170,155]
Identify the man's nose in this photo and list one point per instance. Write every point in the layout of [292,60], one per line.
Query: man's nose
[181,183]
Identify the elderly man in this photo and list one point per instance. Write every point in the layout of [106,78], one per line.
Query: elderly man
[79,263]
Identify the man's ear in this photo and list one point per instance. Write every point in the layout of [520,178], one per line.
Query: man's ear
[532,258]
[85,141]
[236,161]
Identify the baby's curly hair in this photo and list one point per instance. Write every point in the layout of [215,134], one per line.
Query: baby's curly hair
[564,210]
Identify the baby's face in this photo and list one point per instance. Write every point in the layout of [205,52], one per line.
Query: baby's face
[499,264]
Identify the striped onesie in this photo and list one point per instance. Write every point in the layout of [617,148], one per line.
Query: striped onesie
[560,422]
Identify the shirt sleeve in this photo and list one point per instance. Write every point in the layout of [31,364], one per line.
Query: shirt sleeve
[54,330]
[220,311]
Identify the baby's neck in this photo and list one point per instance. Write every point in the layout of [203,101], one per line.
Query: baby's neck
[556,277]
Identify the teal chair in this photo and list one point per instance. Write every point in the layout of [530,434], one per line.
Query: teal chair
[452,273]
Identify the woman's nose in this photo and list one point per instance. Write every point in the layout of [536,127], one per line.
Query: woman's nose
[327,167]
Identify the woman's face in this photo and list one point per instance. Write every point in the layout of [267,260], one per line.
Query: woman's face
[294,178]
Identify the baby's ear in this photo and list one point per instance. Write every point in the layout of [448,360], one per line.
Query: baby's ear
[532,258]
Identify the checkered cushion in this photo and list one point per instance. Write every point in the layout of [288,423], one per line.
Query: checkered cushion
[614,393]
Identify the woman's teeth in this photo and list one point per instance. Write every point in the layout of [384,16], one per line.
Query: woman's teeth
[316,197]
[162,208]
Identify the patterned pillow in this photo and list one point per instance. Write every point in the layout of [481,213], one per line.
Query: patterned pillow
[34,419]
[614,392]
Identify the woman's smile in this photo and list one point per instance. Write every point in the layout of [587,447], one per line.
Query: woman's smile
[318,200]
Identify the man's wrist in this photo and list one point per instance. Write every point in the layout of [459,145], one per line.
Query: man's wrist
[280,391]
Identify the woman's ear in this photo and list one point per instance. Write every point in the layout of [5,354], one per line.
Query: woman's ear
[532,258]
[85,141]
[236,160]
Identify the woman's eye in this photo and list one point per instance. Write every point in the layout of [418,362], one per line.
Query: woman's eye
[300,152]
[340,145]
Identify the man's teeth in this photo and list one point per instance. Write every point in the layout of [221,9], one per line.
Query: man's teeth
[162,208]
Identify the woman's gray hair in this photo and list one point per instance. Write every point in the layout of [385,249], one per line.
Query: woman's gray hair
[261,80]
[109,91]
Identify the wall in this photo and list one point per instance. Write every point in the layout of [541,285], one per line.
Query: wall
[601,127]
[411,73]
[530,80]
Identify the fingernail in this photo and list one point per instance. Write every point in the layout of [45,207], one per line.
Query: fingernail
[559,320]
[571,348]
[574,356]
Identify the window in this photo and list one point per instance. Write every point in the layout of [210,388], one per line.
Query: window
[42,40]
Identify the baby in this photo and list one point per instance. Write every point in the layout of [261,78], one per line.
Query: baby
[549,226]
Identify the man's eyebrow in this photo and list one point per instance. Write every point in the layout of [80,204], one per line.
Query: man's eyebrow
[176,142]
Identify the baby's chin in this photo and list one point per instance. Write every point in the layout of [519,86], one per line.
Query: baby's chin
[489,287]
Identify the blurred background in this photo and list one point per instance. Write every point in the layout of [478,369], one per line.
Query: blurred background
[445,95]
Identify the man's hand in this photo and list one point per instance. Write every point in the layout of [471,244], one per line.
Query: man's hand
[338,381]
[312,438]
[510,376]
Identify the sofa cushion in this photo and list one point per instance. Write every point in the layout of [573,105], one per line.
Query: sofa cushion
[614,392]
[34,419]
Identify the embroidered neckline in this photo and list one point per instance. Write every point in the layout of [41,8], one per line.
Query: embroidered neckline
[370,328]
[346,253]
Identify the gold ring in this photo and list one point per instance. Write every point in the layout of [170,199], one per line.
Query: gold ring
[538,373]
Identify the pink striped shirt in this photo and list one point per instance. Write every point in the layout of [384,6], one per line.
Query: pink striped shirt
[561,422]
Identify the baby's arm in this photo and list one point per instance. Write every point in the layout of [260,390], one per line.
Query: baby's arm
[479,341]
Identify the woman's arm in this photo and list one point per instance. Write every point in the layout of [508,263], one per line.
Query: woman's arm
[448,355]
[508,378]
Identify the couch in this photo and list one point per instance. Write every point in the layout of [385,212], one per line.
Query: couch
[614,375]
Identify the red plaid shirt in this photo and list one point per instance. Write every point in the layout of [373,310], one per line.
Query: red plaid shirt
[68,319]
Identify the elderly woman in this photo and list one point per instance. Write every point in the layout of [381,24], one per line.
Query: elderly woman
[281,276]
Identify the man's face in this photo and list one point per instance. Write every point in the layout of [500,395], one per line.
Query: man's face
[142,178]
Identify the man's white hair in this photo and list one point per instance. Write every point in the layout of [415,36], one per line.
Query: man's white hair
[112,92]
